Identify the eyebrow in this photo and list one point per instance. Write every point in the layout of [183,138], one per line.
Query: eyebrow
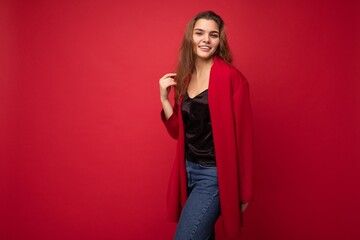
[199,29]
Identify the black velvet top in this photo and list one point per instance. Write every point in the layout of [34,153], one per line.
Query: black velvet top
[199,143]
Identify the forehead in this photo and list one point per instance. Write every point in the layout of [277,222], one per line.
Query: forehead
[206,25]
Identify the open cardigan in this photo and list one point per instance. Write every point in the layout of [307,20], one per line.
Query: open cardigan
[231,120]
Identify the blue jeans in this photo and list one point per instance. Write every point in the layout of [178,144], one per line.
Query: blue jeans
[202,207]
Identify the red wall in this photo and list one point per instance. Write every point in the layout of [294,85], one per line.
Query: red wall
[85,156]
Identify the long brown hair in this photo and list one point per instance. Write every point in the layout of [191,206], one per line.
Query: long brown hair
[186,62]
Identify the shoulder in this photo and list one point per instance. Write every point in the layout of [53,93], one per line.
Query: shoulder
[229,71]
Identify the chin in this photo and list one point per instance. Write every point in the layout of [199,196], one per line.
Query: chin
[205,56]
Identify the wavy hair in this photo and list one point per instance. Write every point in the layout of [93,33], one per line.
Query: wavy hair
[186,62]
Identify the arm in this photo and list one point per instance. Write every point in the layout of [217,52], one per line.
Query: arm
[167,108]
[172,123]
[244,140]
[168,113]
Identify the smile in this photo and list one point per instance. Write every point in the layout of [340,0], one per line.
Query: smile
[205,48]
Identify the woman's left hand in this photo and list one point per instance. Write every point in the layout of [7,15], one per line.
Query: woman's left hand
[244,206]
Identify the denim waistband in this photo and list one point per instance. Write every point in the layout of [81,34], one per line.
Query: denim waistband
[198,165]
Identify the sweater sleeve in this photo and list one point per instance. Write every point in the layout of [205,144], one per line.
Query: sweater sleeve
[172,123]
[244,139]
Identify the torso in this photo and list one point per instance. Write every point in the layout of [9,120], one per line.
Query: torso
[198,84]
[199,142]
[196,116]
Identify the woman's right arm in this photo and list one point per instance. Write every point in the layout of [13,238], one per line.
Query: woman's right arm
[165,85]
[168,113]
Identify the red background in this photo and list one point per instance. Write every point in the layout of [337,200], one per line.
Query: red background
[85,156]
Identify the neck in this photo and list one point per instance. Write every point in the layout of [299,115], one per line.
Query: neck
[203,64]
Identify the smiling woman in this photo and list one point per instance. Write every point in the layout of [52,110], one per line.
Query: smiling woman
[211,120]
[206,38]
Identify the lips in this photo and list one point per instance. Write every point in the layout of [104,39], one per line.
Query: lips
[205,48]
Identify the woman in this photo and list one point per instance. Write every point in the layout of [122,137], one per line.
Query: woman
[211,120]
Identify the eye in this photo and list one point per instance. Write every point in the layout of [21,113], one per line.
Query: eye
[198,33]
[214,35]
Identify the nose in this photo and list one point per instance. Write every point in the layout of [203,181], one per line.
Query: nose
[206,38]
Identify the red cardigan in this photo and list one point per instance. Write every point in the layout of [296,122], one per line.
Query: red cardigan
[231,120]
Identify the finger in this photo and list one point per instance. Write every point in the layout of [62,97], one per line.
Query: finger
[169,75]
[244,206]
[167,82]
[172,81]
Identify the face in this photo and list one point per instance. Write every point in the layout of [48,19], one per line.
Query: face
[206,38]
